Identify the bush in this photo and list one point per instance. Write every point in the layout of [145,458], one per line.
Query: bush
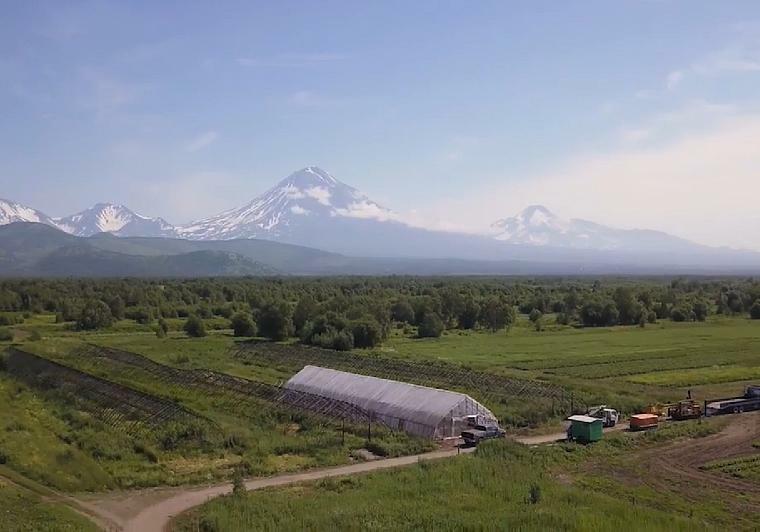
[754,311]
[431,326]
[243,325]
[163,328]
[6,335]
[194,327]
[535,315]
[35,336]
[94,315]
[275,322]
[367,333]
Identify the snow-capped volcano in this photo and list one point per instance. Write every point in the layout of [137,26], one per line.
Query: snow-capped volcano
[115,219]
[11,211]
[308,198]
[538,226]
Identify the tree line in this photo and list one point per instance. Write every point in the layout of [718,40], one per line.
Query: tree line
[343,313]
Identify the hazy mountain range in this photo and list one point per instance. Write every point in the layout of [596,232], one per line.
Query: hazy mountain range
[312,208]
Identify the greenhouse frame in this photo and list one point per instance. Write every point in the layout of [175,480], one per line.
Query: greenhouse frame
[418,410]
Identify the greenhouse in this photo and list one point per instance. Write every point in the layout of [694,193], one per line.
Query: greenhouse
[418,410]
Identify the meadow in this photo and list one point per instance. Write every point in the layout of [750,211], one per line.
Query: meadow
[504,486]
[61,441]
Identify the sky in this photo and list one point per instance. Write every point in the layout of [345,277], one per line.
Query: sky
[638,114]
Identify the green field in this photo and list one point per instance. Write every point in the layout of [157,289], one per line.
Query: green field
[503,486]
[53,438]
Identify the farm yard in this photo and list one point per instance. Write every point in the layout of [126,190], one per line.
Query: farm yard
[143,403]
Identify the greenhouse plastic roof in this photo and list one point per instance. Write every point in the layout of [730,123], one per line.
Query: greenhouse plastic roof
[420,404]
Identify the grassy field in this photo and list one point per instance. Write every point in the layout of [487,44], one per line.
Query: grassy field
[46,439]
[23,511]
[503,486]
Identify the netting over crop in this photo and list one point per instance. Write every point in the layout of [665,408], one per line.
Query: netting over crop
[125,408]
[418,410]
[232,387]
[489,388]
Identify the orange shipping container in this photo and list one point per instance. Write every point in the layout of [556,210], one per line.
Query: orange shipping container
[644,421]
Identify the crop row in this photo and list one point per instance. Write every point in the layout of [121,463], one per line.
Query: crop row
[485,386]
[218,384]
[125,408]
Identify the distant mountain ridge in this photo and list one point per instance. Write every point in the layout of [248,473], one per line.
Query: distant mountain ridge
[538,226]
[312,208]
[308,196]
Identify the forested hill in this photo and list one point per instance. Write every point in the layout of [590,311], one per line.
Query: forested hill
[38,250]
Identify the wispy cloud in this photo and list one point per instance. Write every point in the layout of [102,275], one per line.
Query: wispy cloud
[700,183]
[733,59]
[311,99]
[106,94]
[201,141]
[291,60]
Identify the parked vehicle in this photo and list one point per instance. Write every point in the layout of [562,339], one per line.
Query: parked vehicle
[644,421]
[735,405]
[609,416]
[479,433]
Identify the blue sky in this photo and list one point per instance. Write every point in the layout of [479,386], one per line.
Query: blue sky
[637,114]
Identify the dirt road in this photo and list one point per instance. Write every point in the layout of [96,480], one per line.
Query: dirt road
[152,510]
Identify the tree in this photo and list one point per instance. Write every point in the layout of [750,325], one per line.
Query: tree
[306,310]
[367,333]
[274,321]
[754,311]
[402,311]
[243,324]
[94,315]
[497,314]
[700,310]
[468,315]
[194,327]
[116,304]
[535,315]
[431,326]
[679,314]
[162,329]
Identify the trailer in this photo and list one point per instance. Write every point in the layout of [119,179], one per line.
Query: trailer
[734,405]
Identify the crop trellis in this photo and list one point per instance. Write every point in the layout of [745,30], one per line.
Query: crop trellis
[488,387]
[128,410]
[231,387]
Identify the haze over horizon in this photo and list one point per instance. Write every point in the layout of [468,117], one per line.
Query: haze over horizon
[636,115]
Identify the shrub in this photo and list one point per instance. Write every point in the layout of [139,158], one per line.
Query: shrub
[754,311]
[243,325]
[534,496]
[194,327]
[431,326]
[6,335]
[367,333]
[535,315]
[35,336]
[94,315]
[275,322]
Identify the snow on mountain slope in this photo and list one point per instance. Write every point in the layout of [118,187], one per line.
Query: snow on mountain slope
[11,211]
[115,219]
[538,226]
[309,197]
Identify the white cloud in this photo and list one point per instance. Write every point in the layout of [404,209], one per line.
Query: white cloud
[201,141]
[297,209]
[291,60]
[674,79]
[732,59]
[367,210]
[321,194]
[701,185]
